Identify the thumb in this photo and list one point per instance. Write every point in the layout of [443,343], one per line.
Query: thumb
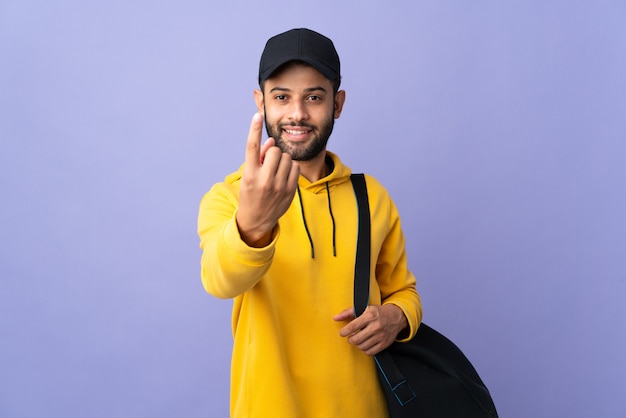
[345,315]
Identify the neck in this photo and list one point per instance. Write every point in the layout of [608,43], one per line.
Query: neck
[314,169]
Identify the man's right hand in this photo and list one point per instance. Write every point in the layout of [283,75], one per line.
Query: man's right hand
[268,185]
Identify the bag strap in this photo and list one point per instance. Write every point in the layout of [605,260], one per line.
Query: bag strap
[393,376]
[363,246]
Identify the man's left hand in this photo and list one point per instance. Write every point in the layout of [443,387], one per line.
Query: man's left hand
[375,329]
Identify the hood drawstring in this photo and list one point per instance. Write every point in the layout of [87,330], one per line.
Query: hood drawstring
[306,227]
[332,218]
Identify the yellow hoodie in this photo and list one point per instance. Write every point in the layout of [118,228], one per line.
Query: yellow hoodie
[288,358]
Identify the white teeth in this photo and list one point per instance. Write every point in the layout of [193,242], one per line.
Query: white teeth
[290,132]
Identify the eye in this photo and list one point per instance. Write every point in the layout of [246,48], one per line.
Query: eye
[280,97]
[314,98]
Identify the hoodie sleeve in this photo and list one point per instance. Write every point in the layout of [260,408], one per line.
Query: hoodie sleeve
[229,267]
[395,280]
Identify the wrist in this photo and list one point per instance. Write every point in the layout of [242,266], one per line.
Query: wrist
[400,321]
[256,236]
[256,240]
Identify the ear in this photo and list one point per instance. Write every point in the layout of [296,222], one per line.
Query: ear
[340,99]
[260,103]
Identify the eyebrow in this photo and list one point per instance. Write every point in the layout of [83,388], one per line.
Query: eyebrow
[307,90]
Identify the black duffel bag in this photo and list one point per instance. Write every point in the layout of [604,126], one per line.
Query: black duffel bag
[428,376]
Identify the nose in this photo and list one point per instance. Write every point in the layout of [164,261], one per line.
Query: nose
[298,111]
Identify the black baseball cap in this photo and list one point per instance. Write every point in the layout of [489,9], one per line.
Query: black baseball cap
[300,45]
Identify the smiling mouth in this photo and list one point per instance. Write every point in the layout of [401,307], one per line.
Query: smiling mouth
[297,133]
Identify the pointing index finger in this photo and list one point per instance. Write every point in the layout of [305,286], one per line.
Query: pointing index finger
[253,146]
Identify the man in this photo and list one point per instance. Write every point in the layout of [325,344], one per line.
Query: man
[279,236]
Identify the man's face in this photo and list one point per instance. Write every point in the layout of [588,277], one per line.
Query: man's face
[300,110]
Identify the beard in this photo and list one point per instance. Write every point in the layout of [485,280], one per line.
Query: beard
[307,151]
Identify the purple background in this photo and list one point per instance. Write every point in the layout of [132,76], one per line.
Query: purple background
[498,127]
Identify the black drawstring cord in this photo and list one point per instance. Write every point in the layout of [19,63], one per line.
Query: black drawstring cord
[305,225]
[332,217]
